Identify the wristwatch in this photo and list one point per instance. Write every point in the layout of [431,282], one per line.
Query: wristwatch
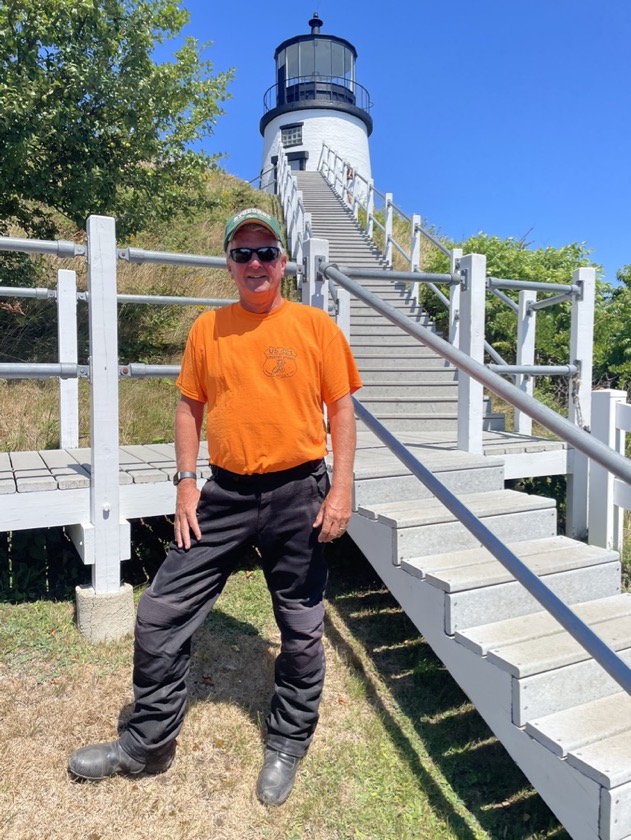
[183,474]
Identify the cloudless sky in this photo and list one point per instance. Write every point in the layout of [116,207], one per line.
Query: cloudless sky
[510,117]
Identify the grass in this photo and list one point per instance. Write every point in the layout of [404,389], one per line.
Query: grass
[399,752]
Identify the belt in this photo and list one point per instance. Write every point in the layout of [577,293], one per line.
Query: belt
[267,480]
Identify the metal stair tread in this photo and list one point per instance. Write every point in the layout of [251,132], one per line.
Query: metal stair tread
[415,512]
[458,573]
[484,637]
[576,728]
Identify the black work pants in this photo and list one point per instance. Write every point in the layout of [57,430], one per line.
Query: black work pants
[275,512]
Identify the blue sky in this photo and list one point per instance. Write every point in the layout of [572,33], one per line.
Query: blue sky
[510,117]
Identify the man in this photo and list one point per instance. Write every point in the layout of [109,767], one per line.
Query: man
[263,368]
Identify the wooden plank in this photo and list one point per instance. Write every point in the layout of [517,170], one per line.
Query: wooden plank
[607,762]
[416,512]
[482,638]
[491,573]
[573,729]
[615,813]
[558,650]
[43,509]
[476,606]
[552,691]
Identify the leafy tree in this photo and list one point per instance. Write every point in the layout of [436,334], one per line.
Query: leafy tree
[90,123]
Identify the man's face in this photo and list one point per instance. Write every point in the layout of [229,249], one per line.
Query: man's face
[258,283]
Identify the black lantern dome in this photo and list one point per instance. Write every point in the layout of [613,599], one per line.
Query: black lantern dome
[316,71]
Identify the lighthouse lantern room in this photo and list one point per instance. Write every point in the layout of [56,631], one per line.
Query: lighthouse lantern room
[316,99]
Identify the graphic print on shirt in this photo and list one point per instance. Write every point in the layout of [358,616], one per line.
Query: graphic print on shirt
[280,362]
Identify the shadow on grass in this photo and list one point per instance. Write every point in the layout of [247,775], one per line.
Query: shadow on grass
[230,663]
[449,729]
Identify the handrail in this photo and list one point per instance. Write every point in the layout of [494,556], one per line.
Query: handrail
[580,631]
[579,438]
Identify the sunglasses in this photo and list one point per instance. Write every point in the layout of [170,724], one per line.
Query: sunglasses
[243,255]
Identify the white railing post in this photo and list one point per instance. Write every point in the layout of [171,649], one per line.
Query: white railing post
[605,518]
[315,290]
[579,407]
[103,320]
[526,327]
[343,318]
[370,208]
[387,235]
[415,242]
[471,392]
[68,354]
[454,299]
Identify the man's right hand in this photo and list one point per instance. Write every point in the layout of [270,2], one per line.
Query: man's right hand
[186,513]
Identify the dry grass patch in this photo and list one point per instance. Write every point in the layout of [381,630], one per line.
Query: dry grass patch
[58,694]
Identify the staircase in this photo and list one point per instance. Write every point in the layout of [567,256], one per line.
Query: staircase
[563,720]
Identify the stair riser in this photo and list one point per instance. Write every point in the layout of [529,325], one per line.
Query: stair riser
[420,391]
[421,424]
[544,694]
[392,353]
[434,405]
[400,488]
[393,343]
[376,360]
[384,329]
[441,537]
[422,377]
[508,600]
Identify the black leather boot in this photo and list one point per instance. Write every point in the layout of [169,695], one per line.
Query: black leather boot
[99,761]
[276,778]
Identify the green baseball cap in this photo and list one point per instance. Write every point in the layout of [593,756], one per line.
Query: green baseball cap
[251,215]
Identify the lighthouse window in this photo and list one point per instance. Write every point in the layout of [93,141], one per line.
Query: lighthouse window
[291,135]
[292,61]
[337,59]
[323,58]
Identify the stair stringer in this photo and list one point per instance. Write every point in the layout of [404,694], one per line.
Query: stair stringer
[574,798]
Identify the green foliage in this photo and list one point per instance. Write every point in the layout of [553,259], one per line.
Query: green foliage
[513,259]
[90,124]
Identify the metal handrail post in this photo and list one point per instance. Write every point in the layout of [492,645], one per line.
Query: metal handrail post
[370,208]
[526,327]
[454,298]
[415,242]
[471,391]
[68,354]
[580,401]
[104,488]
[387,230]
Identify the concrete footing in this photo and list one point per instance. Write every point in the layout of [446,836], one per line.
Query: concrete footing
[105,618]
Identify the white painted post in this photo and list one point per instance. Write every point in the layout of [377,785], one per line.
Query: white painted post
[68,354]
[343,319]
[103,319]
[315,291]
[370,207]
[415,242]
[579,408]
[526,327]
[605,518]
[300,229]
[387,236]
[454,300]
[471,392]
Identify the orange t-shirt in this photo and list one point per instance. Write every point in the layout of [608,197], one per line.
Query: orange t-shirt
[264,379]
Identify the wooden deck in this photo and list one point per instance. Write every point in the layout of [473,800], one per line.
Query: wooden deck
[50,488]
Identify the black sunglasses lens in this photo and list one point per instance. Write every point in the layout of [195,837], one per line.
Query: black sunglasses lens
[244,255]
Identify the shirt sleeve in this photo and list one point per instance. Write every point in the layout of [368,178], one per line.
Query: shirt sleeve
[339,371]
[191,379]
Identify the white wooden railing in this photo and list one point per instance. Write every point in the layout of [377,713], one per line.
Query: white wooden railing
[608,496]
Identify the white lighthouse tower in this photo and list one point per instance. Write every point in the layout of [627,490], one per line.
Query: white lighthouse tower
[315,100]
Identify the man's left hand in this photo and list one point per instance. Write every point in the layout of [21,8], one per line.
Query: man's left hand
[333,517]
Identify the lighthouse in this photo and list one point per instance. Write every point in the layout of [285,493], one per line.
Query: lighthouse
[316,99]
